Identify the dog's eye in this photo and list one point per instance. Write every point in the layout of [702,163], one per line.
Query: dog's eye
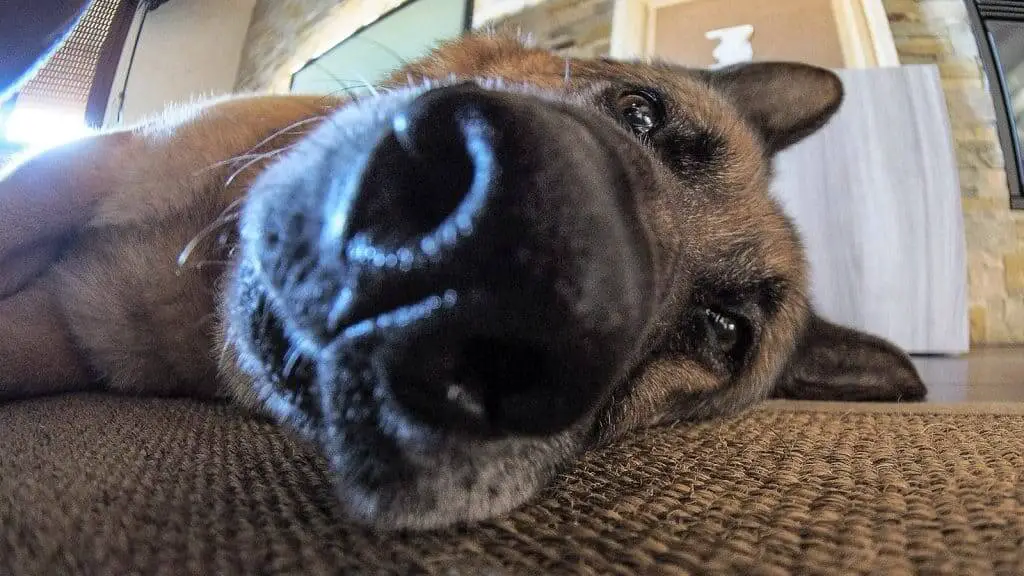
[641,111]
[723,328]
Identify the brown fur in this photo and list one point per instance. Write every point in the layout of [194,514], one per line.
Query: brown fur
[92,291]
[127,203]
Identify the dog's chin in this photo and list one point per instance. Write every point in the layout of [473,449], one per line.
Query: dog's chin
[389,470]
[429,481]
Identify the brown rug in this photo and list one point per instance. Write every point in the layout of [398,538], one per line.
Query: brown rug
[101,485]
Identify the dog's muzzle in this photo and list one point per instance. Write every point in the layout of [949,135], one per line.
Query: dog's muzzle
[477,254]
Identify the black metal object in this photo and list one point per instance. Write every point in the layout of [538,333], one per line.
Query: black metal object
[106,67]
[30,32]
[987,16]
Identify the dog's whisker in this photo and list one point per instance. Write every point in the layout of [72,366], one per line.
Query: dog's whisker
[224,352]
[349,92]
[233,205]
[366,84]
[206,319]
[240,158]
[387,49]
[346,85]
[264,142]
[207,263]
[567,68]
[287,129]
[291,361]
[255,160]
[222,220]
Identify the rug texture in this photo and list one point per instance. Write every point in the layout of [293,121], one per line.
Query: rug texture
[103,485]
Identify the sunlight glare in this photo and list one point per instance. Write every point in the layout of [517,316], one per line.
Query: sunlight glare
[38,127]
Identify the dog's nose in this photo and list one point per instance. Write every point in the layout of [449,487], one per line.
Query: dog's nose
[496,273]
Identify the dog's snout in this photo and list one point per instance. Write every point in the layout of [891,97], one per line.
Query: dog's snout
[485,262]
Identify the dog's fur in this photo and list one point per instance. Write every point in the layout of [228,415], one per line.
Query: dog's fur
[123,266]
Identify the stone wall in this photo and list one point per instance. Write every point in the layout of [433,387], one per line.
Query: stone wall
[939,32]
[580,28]
[286,33]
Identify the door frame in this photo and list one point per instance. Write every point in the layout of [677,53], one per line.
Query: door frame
[864,33]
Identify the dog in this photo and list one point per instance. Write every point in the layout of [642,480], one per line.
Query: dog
[452,287]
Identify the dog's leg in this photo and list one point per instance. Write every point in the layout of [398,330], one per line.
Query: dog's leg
[36,354]
[26,264]
[144,173]
[126,178]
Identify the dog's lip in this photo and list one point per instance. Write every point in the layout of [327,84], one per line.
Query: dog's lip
[358,328]
[415,311]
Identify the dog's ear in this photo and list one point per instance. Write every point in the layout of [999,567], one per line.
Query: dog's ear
[785,101]
[836,363]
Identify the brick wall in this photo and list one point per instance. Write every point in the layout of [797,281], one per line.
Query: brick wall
[285,33]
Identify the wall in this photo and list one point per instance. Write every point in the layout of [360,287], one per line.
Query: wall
[679,30]
[187,49]
[580,28]
[938,31]
[371,55]
[284,33]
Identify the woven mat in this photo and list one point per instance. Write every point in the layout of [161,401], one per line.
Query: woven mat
[101,485]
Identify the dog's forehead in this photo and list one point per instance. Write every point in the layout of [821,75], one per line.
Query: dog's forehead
[509,58]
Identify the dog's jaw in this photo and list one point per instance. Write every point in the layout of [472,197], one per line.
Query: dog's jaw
[388,471]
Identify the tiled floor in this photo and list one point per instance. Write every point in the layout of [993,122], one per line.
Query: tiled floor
[984,375]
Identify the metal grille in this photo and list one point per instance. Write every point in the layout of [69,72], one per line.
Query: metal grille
[1007,9]
[65,81]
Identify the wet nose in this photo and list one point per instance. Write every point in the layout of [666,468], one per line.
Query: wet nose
[492,243]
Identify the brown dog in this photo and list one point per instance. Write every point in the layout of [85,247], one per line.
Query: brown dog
[452,287]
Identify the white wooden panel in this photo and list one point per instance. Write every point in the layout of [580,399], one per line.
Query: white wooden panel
[876,195]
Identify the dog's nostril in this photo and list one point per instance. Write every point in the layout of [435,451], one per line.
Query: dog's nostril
[479,385]
[296,223]
[505,367]
[422,171]
[271,238]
